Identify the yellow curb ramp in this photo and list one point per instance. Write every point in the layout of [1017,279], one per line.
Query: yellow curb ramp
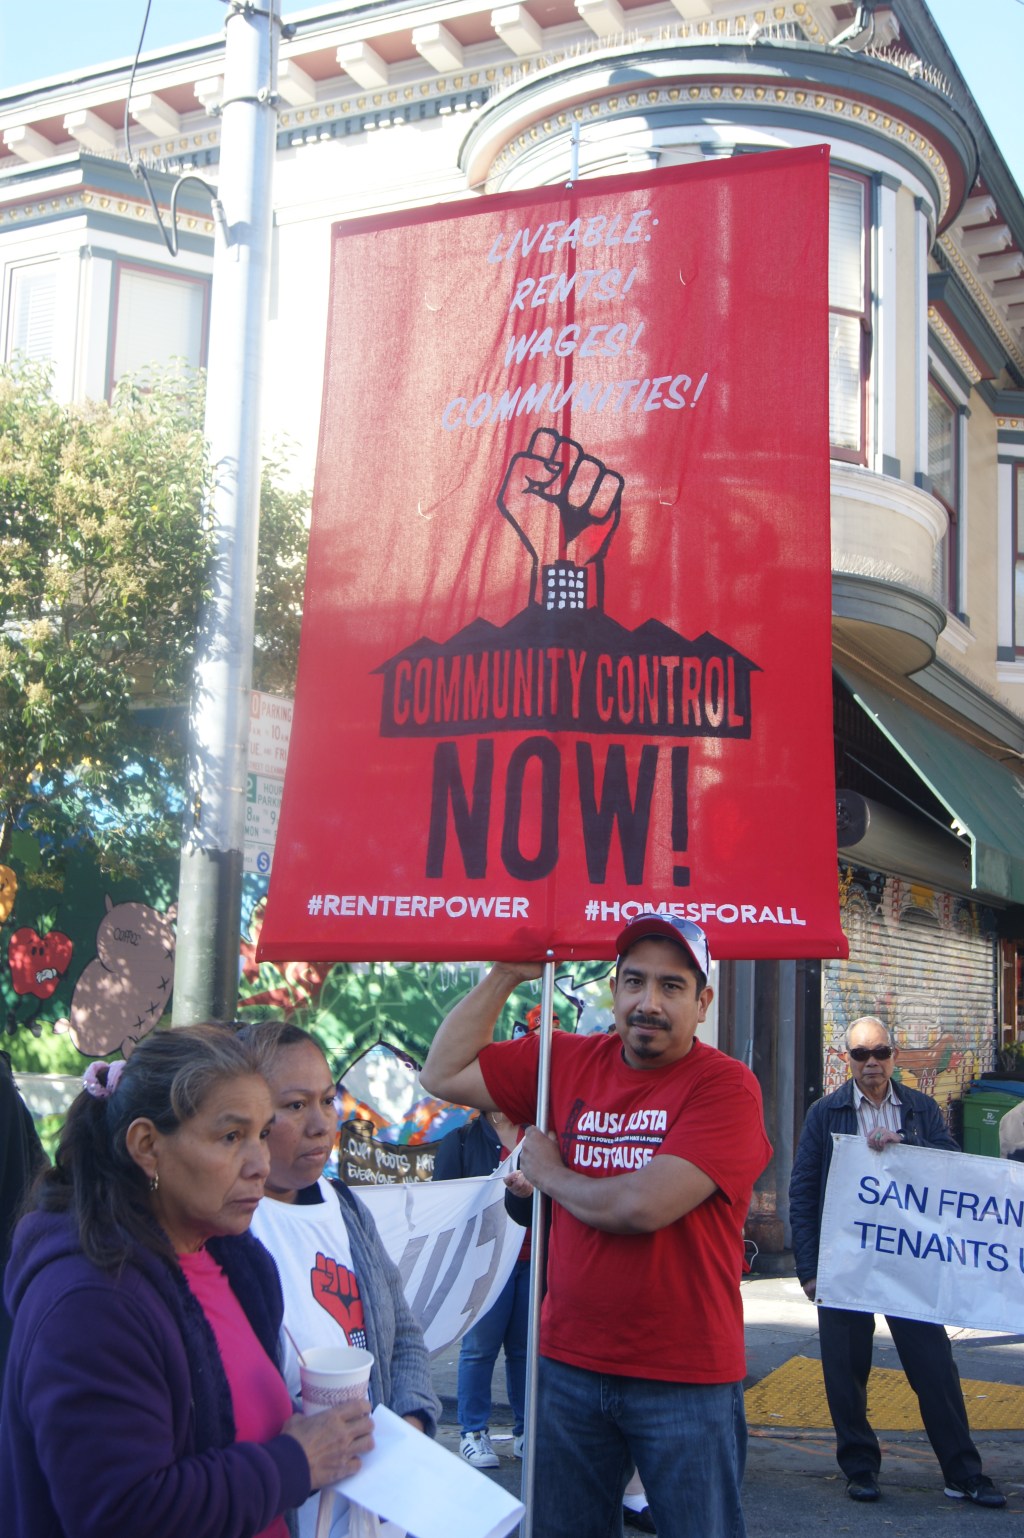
[794,1395]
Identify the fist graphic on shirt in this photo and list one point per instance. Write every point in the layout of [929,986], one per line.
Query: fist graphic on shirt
[335,1288]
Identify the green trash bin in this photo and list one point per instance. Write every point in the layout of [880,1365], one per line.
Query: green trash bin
[982,1114]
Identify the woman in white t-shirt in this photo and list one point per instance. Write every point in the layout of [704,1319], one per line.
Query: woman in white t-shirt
[340,1286]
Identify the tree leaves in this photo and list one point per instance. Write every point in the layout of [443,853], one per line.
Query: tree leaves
[104,556]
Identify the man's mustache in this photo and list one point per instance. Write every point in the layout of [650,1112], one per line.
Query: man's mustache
[641,1017]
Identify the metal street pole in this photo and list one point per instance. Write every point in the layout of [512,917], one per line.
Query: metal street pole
[210,886]
[538,1252]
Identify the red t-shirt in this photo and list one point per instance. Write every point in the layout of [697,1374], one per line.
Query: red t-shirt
[661,1305]
[259,1397]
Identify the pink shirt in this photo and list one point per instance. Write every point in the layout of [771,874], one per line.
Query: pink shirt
[258,1394]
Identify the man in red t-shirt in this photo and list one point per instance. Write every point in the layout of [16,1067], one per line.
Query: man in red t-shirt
[656,1140]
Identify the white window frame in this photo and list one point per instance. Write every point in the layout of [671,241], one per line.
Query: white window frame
[161,274]
[1017,512]
[951,584]
[850,310]
[17,272]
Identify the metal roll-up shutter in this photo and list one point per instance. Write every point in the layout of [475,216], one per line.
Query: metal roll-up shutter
[924,962]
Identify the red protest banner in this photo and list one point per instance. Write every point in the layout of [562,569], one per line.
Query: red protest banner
[566,647]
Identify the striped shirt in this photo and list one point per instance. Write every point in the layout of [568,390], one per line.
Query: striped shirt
[871,1117]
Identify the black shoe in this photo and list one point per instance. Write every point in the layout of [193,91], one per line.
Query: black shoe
[863,1488]
[641,1519]
[979,1489]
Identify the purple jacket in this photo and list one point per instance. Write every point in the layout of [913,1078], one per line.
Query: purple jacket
[116,1417]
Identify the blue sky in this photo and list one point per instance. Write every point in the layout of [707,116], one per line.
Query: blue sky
[51,37]
[986,37]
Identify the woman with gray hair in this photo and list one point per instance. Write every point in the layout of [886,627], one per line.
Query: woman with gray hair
[141,1395]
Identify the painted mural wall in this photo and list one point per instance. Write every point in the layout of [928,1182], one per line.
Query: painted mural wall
[925,963]
[86,962]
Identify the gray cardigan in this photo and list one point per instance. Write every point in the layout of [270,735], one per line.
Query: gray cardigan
[400,1377]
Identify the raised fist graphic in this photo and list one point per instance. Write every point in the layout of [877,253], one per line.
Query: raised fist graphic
[565,507]
[335,1289]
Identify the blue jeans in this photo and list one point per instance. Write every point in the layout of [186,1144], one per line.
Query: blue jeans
[506,1323]
[688,1440]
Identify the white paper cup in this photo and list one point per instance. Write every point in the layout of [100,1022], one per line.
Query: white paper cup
[333,1375]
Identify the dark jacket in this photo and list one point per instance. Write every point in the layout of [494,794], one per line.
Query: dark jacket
[116,1415]
[21,1157]
[474,1149]
[921,1123]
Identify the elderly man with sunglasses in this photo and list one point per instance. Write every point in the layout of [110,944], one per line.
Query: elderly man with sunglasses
[869,1104]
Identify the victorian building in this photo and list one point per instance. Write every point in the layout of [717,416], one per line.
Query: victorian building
[401,103]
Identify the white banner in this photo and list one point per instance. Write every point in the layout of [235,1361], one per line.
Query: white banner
[923,1234]
[454,1244]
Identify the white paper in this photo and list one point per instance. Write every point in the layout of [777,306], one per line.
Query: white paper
[413,1481]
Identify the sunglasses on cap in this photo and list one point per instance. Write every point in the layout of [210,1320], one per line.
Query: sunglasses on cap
[861,1054]
[667,926]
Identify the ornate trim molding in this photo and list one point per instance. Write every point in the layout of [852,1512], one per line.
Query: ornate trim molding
[981,298]
[93,200]
[544,103]
[397,96]
[948,337]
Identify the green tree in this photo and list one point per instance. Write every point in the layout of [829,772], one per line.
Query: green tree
[104,550]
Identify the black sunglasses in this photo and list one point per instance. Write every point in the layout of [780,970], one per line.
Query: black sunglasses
[861,1054]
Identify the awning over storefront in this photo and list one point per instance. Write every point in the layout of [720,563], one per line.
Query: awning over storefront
[984,799]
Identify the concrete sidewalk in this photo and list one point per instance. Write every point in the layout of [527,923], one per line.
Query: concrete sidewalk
[793,1486]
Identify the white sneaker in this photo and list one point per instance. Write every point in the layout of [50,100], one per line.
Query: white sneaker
[518,1443]
[476,1448]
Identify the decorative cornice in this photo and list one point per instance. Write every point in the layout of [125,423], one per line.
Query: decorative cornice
[982,299]
[512,73]
[398,96]
[183,147]
[959,354]
[181,64]
[955,304]
[878,104]
[830,105]
[346,100]
[94,200]
[1006,405]
[84,183]
[763,41]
